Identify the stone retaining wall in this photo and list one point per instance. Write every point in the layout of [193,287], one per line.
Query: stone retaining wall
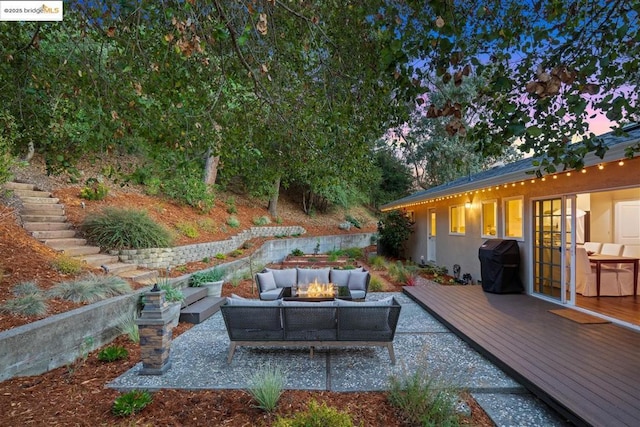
[60,339]
[180,255]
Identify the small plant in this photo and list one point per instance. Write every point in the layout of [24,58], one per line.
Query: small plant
[236,253]
[207,225]
[297,252]
[316,249]
[66,265]
[220,255]
[233,222]
[26,288]
[131,403]
[198,279]
[422,401]
[401,273]
[247,245]
[206,260]
[90,288]
[266,387]
[316,416]
[375,284]
[26,305]
[188,229]
[353,221]
[231,206]
[127,325]
[171,294]
[378,262]
[95,191]
[112,353]
[261,221]
[182,268]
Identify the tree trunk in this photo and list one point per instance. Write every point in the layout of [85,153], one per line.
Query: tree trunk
[273,201]
[211,168]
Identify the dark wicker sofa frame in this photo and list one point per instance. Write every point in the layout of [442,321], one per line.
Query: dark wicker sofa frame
[312,325]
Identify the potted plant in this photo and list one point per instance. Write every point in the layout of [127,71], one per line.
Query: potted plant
[212,279]
[173,297]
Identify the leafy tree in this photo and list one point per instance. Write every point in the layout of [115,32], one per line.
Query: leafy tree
[394,178]
[548,66]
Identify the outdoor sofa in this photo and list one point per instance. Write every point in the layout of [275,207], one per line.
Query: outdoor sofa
[271,282]
[257,323]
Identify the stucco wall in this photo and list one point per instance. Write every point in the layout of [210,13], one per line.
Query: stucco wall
[463,250]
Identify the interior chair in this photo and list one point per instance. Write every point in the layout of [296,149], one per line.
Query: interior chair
[592,247]
[586,280]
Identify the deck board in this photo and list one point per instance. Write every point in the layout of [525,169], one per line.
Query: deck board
[590,373]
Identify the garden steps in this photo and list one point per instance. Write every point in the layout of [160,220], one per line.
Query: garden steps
[197,306]
[43,216]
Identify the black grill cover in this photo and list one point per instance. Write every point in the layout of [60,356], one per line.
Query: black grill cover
[499,266]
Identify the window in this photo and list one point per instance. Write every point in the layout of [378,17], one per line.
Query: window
[489,218]
[513,211]
[456,219]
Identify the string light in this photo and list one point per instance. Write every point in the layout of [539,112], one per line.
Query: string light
[600,166]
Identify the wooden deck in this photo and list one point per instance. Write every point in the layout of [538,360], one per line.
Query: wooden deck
[589,373]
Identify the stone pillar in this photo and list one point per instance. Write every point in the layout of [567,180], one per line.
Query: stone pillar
[155,333]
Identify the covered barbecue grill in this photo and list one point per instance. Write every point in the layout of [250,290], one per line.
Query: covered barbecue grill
[500,266]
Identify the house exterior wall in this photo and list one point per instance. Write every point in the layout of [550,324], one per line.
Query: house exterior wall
[463,249]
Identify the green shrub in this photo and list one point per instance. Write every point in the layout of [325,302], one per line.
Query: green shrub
[112,353]
[131,402]
[94,190]
[220,255]
[233,222]
[66,265]
[115,228]
[316,416]
[394,229]
[213,275]
[191,191]
[423,402]
[401,273]
[297,252]
[266,387]
[354,253]
[236,253]
[188,229]
[231,205]
[26,305]
[261,221]
[375,284]
[90,288]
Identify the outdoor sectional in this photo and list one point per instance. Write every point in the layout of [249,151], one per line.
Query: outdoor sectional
[256,323]
[271,281]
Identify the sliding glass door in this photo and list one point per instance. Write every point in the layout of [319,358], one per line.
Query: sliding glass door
[553,248]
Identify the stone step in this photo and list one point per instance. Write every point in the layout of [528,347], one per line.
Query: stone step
[31,193]
[145,277]
[43,235]
[40,200]
[75,251]
[43,210]
[44,218]
[65,243]
[19,186]
[99,259]
[191,295]
[118,267]
[46,226]
[201,310]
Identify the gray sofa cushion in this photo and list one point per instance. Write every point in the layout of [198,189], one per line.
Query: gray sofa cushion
[248,302]
[358,280]
[266,281]
[284,278]
[310,275]
[271,295]
[340,277]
